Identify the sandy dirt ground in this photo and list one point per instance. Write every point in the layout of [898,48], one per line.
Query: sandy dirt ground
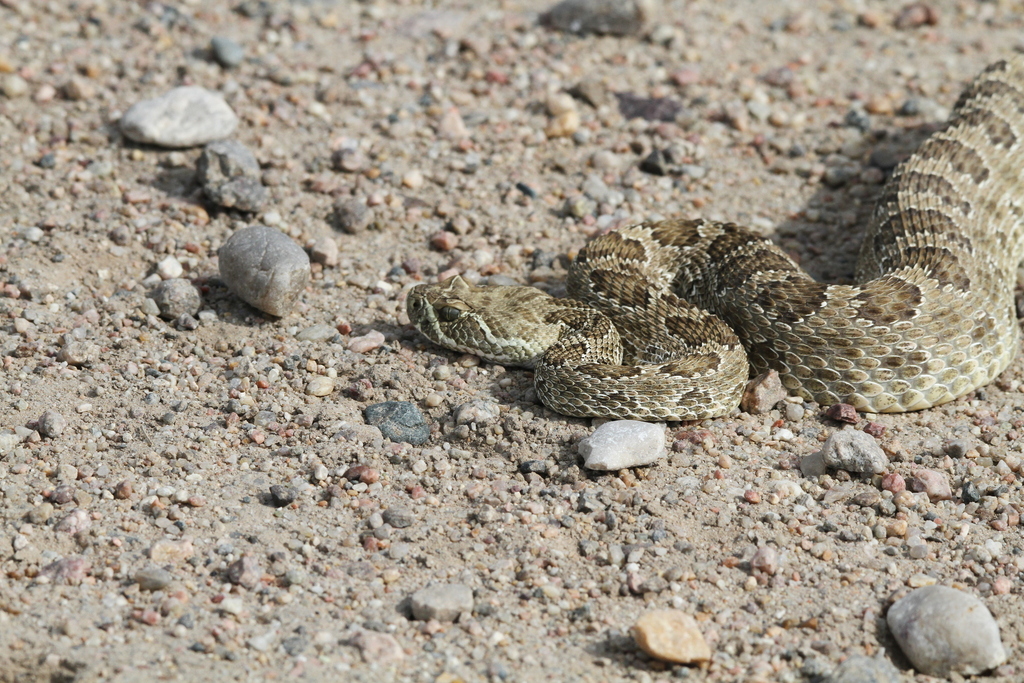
[142,542]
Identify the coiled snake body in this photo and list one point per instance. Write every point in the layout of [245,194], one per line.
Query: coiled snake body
[662,318]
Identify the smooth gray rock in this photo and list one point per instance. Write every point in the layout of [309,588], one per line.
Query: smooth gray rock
[943,631]
[351,215]
[264,268]
[230,176]
[183,117]
[227,52]
[398,421]
[52,424]
[854,451]
[444,602]
[603,17]
[623,443]
[153,578]
[176,297]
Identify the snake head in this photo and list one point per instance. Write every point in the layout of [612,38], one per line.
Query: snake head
[489,322]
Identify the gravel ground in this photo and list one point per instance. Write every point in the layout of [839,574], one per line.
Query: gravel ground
[202,498]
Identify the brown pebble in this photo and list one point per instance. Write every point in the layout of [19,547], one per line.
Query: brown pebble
[123,490]
[842,412]
[444,240]
[894,482]
[363,473]
[874,429]
[762,393]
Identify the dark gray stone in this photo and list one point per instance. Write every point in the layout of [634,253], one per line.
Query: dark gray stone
[352,216]
[230,176]
[399,518]
[603,17]
[176,297]
[264,268]
[153,578]
[398,421]
[283,495]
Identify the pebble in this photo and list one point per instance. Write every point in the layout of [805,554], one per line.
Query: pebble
[187,116]
[153,578]
[169,268]
[171,552]
[843,412]
[381,649]
[413,179]
[176,297]
[443,602]
[264,268]
[245,571]
[943,631]
[352,215]
[861,669]
[227,52]
[13,86]
[563,125]
[283,495]
[452,127]
[602,17]
[317,333]
[324,251]
[399,518]
[765,560]
[671,636]
[230,176]
[233,606]
[916,14]
[622,444]
[320,386]
[373,339]
[935,484]
[67,570]
[79,353]
[854,451]
[51,424]
[398,421]
[762,393]
[479,411]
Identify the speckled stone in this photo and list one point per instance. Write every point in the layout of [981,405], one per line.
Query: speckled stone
[176,297]
[183,117]
[398,421]
[603,17]
[943,631]
[230,176]
[854,451]
[264,268]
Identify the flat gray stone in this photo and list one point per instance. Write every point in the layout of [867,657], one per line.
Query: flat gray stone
[623,443]
[264,268]
[230,176]
[854,451]
[317,333]
[444,602]
[183,117]
[398,421]
[603,17]
[176,297]
[943,631]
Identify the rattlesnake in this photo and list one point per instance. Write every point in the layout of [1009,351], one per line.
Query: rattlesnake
[932,320]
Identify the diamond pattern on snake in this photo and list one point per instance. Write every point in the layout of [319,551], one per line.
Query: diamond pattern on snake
[667,320]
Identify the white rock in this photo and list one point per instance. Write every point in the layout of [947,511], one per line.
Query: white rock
[854,451]
[944,631]
[169,268]
[183,117]
[623,443]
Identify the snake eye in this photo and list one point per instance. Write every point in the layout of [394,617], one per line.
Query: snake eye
[448,314]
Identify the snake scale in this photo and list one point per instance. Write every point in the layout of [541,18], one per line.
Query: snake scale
[662,318]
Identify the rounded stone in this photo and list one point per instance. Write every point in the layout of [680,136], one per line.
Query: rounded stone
[623,443]
[176,297]
[264,268]
[227,52]
[944,631]
[671,636]
[861,669]
[444,602]
[320,386]
[52,424]
[352,216]
[183,117]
